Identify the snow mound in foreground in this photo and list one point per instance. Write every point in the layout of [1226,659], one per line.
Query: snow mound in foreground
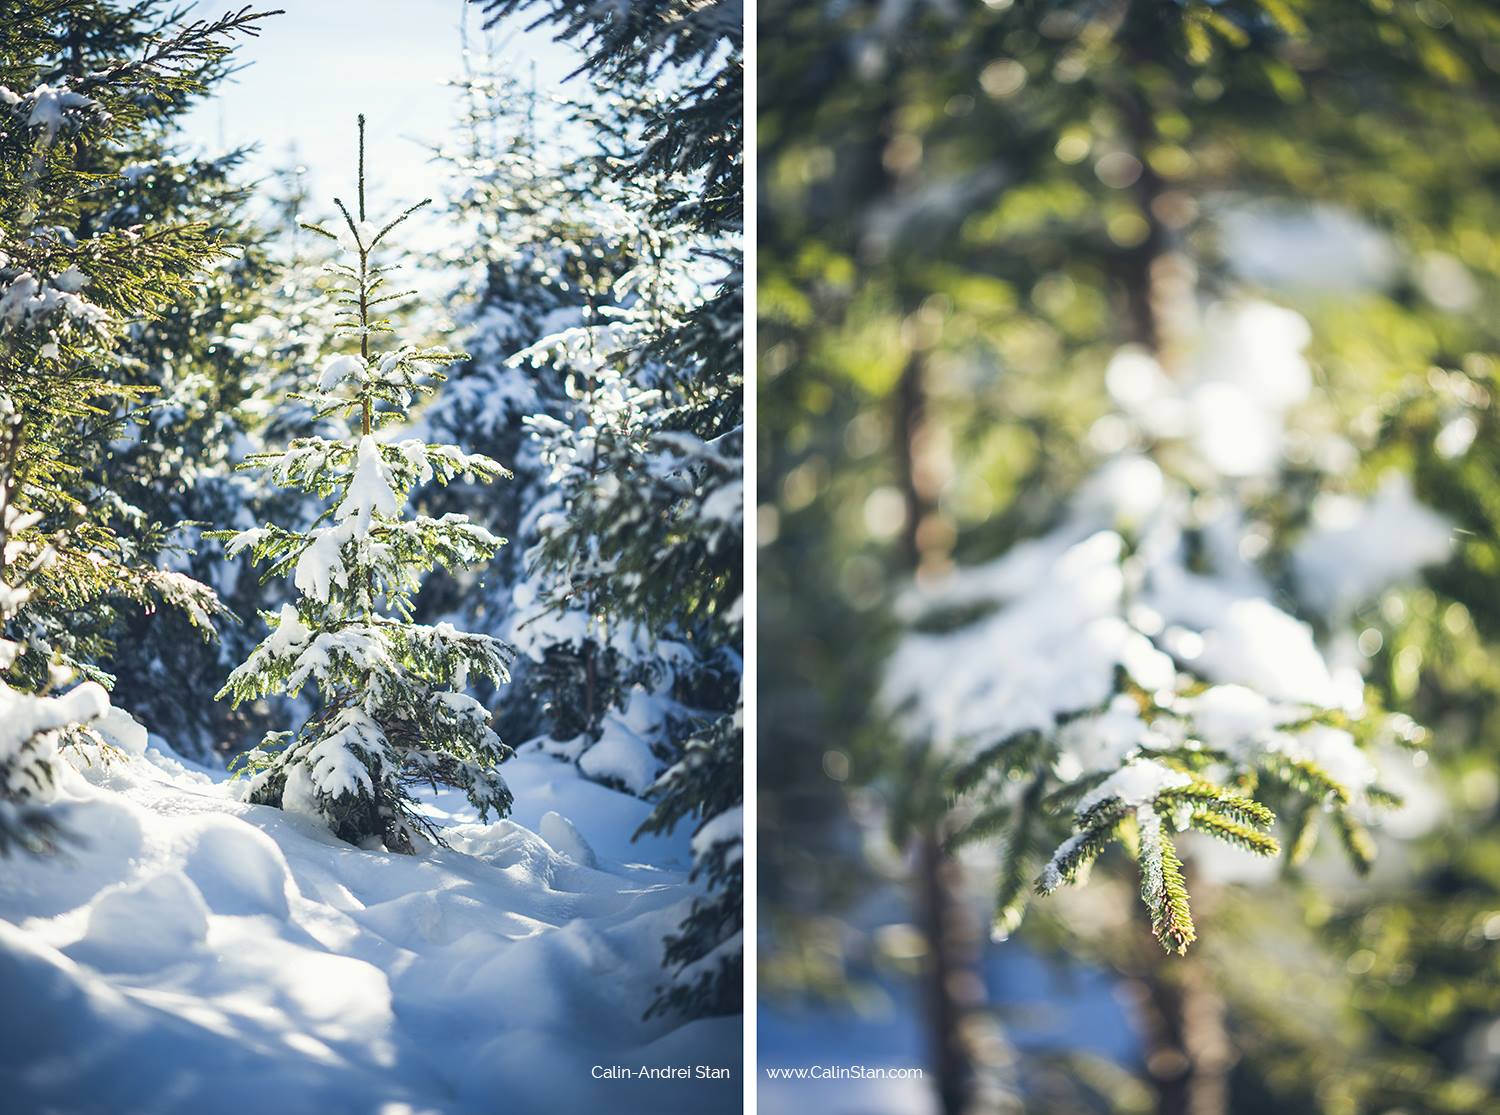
[194,953]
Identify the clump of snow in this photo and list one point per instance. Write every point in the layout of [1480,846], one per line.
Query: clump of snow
[360,238]
[119,728]
[337,769]
[29,719]
[727,828]
[337,369]
[1357,548]
[299,795]
[1148,667]
[566,840]
[1135,784]
[28,300]
[321,563]
[1228,717]
[48,107]
[245,540]
[1252,372]
[1050,649]
[621,757]
[369,492]
[1256,644]
[289,635]
[239,870]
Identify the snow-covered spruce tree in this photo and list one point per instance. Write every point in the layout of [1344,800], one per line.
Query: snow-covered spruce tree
[648,528]
[704,958]
[393,711]
[654,535]
[646,534]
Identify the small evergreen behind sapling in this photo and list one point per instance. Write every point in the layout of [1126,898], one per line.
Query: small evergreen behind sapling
[394,712]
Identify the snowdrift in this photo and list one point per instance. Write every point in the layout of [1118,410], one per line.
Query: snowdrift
[192,953]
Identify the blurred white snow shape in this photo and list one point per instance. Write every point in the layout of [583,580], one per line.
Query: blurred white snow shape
[1233,433]
[1258,346]
[1446,282]
[1423,805]
[1302,247]
[1355,548]
[1135,380]
[1256,644]
[1249,371]
[1126,491]
[1454,439]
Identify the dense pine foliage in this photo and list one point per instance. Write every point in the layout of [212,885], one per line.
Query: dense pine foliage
[85,269]
[1105,546]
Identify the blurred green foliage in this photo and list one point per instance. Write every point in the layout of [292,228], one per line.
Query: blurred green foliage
[984,197]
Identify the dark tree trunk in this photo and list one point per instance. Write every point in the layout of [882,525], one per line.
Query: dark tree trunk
[953,989]
[1188,1048]
[953,992]
[1188,1051]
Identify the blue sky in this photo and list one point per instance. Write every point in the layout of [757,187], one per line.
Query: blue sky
[314,68]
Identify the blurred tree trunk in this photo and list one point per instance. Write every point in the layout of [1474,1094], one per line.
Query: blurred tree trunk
[953,990]
[1186,1041]
[927,536]
[1188,1051]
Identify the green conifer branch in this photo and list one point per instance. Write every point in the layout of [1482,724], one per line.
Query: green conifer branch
[1163,888]
[1234,832]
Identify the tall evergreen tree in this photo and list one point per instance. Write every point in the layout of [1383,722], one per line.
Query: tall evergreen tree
[393,709]
[545,258]
[654,537]
[32,725]
[72,291]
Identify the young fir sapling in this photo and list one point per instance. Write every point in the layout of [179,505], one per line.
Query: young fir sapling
[394,712]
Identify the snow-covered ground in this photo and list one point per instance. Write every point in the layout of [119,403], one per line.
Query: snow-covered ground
[196,954]
[1043,1009]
